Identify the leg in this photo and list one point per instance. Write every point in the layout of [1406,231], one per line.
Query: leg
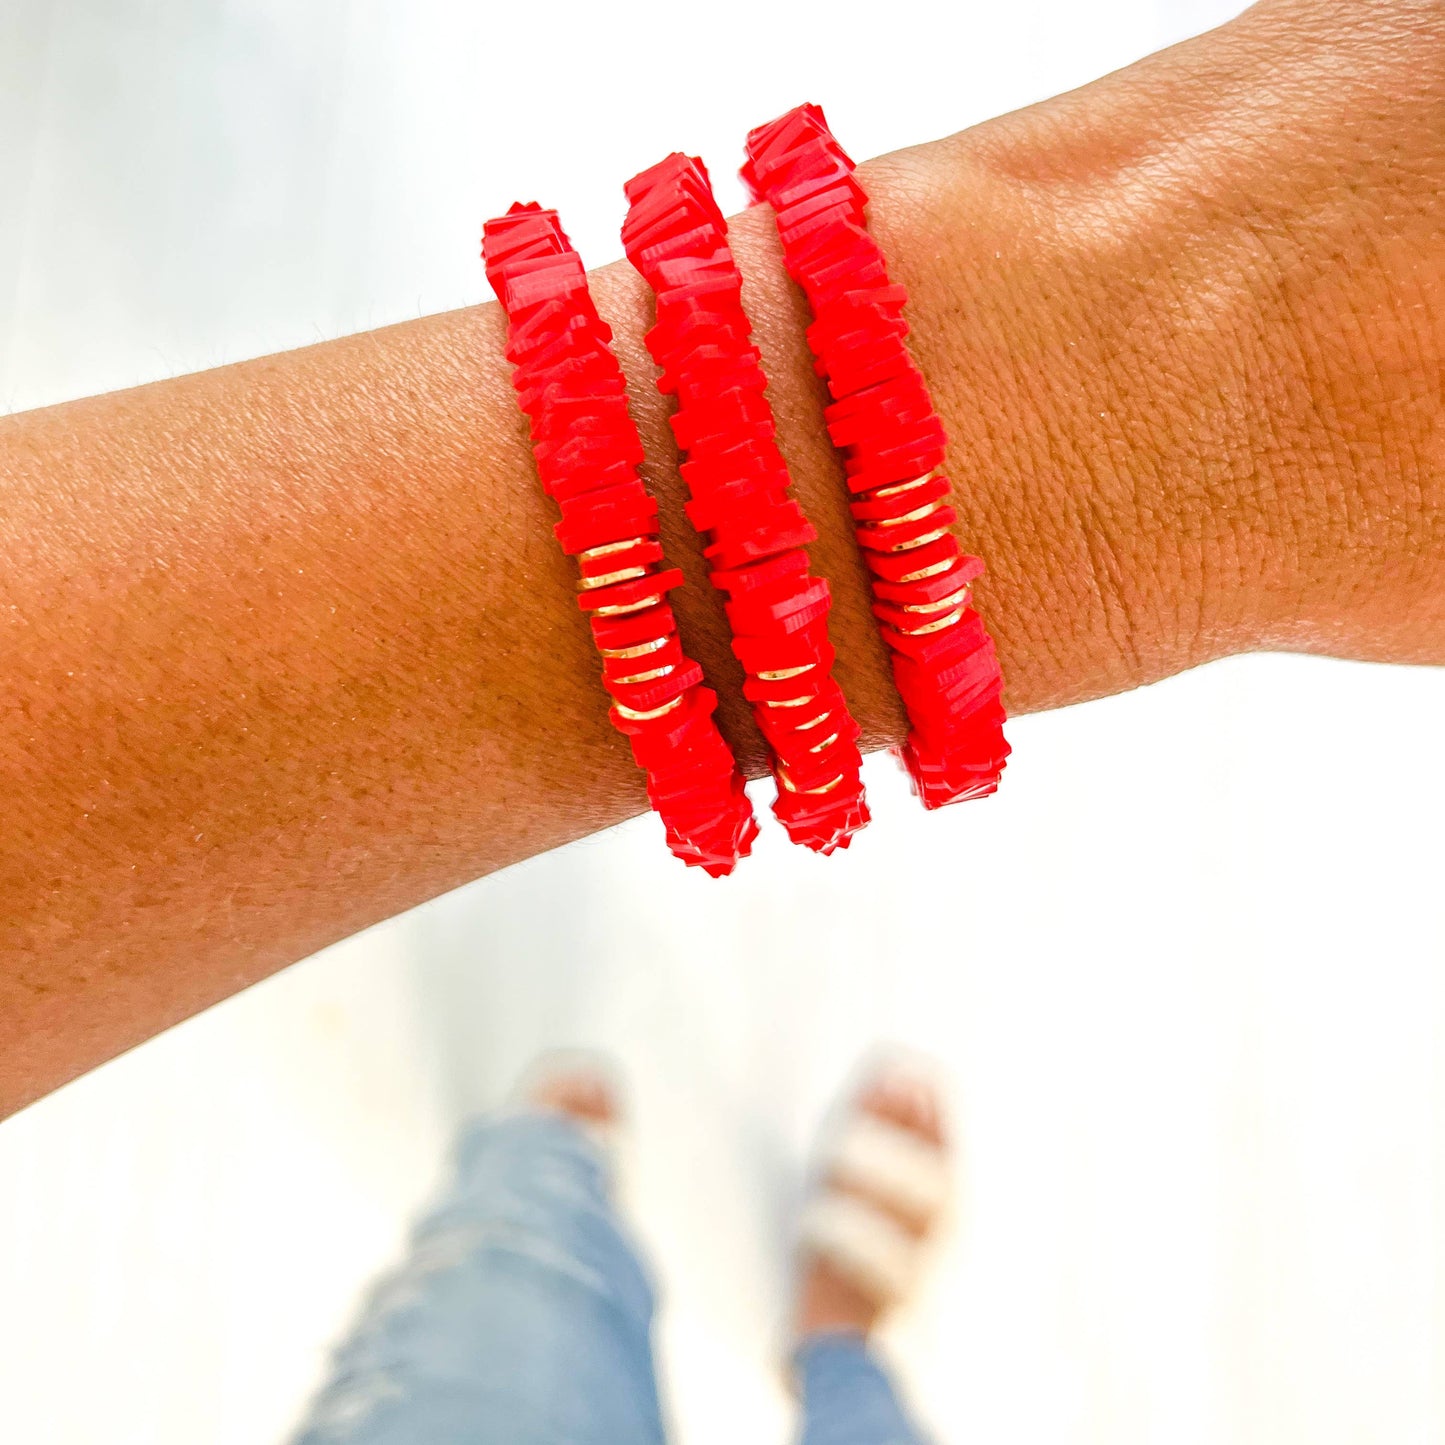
[521,1317]
[879,1197]
[847,1398]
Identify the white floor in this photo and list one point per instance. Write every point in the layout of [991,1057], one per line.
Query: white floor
[1193,1011]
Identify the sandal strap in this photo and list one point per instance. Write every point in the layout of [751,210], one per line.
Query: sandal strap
[863,1243]
[891,1164]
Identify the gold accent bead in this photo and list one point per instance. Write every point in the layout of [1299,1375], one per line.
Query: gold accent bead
[921,541]
[936,626]
[814,721]
[934,569]
[651,675]
[782,674]
[792,787]
[621,609]
[825,744]
[650,713]
[899,487]
[605,579]
[790,701]
[944,604]
[656,644]
[916,515]
[607,549]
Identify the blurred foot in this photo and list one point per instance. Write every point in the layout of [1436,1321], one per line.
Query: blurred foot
[840,1288]
[577,1090]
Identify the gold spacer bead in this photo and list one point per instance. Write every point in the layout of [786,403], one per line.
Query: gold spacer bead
[934,569]
[607,549]
[916,515]
[782,674]
[935,626]
[640,650]
[944,604]
[900,487]
[621,609]
[650,676]
[814,721]
[790,701]
[792,787]
[605,579]
[650,713]
[825,744]
[922,541]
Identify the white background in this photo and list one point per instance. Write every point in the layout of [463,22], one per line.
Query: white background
[1189,991]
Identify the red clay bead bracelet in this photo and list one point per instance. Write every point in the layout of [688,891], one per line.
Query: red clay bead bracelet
[883,420]
[587,452]
[676,237]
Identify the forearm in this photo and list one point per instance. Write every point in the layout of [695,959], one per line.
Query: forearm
[290,648]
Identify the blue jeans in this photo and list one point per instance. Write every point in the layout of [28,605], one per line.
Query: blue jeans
[523,1317]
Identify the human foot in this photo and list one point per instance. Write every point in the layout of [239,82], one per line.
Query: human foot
[880,1196]
[579,1086]
[579,1091]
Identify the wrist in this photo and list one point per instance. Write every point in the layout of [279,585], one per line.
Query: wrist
[1085,593]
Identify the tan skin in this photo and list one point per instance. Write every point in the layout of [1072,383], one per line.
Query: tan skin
[288,647]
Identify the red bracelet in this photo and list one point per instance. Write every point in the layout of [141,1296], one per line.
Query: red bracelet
[588,452]
[893,442]
[676,237]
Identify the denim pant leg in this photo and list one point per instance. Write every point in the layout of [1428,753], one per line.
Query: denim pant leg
[520,1317]
[847,1399]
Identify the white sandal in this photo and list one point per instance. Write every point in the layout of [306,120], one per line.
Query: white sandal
[895,1168]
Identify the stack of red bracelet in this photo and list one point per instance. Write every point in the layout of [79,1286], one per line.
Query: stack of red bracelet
[588,452]
[882,418]
[676,237]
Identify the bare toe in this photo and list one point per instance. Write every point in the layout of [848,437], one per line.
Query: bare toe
[908,1102]
[577,1093]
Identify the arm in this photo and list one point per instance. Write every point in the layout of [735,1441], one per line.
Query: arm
[288,646]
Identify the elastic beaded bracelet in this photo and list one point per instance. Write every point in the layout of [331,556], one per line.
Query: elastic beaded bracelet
[893,442]
[676,237]
[587,452]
